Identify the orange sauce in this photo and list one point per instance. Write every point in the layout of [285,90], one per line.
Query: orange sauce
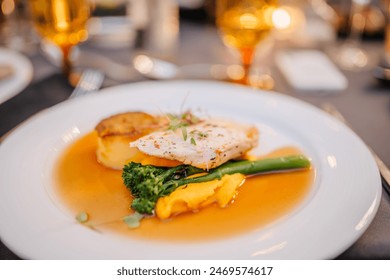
[85,185]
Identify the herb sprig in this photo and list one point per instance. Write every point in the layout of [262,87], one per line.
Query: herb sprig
[182,121]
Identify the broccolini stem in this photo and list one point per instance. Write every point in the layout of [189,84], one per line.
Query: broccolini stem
[250,167]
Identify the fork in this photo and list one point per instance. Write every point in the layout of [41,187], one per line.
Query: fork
[90,81]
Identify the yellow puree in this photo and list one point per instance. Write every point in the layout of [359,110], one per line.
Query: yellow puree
[196,196]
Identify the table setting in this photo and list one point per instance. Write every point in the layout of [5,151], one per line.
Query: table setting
[281,67]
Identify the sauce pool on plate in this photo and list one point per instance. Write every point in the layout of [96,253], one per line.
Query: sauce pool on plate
[83,185]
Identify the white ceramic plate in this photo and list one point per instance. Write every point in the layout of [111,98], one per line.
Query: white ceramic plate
[342,203]
[21,77]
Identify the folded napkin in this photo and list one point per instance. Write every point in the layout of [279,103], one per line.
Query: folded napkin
[310,70]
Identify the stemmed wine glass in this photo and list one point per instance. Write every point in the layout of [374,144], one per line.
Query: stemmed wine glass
[243,24]
[351,54]
[382,70]
[386,7]
[63,22]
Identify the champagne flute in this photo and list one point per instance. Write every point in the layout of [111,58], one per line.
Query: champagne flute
[63,22]
[243,24]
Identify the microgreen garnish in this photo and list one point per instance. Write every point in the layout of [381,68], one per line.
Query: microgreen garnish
[133,220]
[82,217]
[184,133]
[182,121]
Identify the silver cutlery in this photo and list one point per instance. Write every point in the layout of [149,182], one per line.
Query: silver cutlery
[383,169]
[158,69]
[120,72]
[90,81]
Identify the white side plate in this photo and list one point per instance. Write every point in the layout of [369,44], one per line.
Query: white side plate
[21,77]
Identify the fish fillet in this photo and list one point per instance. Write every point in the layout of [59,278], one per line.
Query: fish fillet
[205,145]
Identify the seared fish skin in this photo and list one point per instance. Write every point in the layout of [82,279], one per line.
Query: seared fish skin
[205,145]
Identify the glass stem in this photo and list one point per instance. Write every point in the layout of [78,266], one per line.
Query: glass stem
[66,63]
[247,55]
[357,23]
[387,32]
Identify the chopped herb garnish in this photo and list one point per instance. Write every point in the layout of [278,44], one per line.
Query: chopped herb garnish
[133,220]
[184,132]
[193,142]
[202,135]
[82,217]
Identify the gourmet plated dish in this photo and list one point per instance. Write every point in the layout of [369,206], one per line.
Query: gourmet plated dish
[178,176]
[72,204]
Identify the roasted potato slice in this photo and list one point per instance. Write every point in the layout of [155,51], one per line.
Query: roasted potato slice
[117,131]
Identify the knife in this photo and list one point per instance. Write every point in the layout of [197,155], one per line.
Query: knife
[383,169]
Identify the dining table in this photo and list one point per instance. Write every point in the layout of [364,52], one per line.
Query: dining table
[365,103]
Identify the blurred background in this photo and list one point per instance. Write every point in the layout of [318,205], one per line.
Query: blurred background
[119,30]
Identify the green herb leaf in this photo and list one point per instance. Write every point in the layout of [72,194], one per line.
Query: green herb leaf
[133,220]
[171,116]
[182,121]
[82,217]
[193,142]
[184,132]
